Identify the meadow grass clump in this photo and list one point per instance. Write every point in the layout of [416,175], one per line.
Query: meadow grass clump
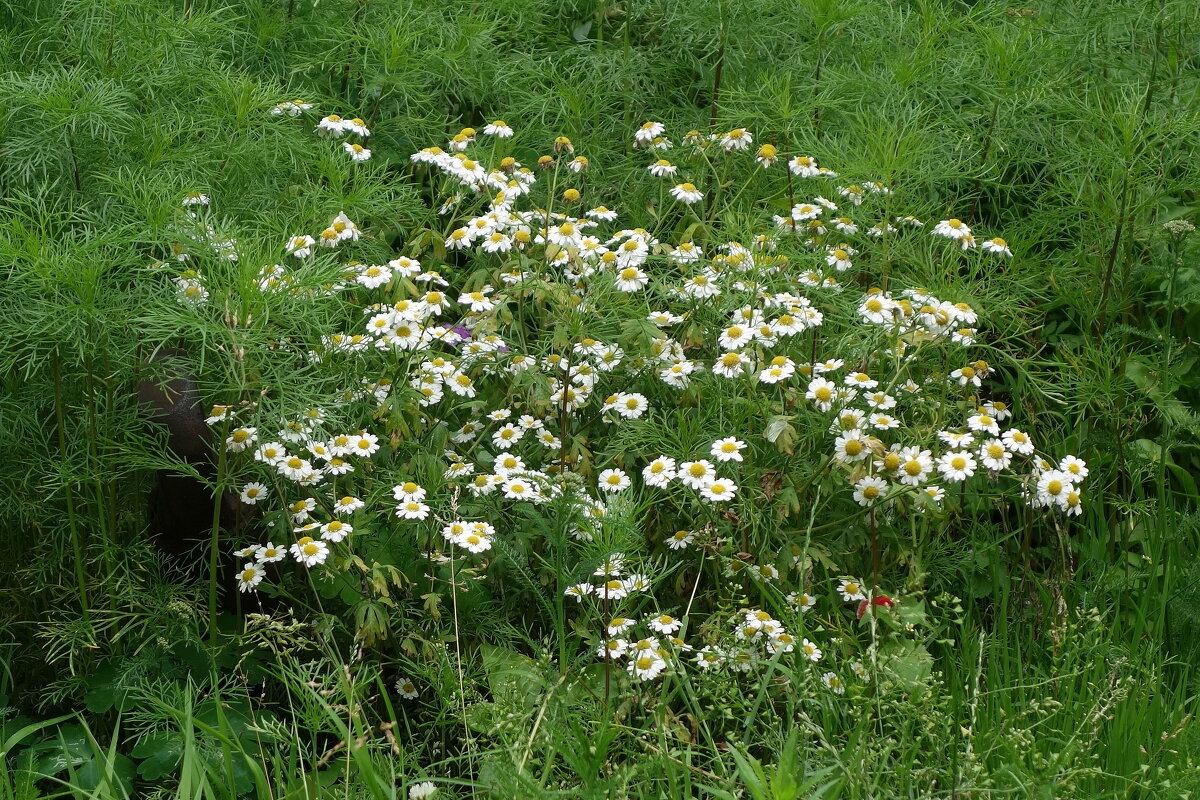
[766,419]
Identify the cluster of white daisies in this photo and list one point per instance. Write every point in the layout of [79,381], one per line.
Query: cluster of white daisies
[444,345]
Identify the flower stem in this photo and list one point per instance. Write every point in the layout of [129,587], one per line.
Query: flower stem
[72,522]
[214,547]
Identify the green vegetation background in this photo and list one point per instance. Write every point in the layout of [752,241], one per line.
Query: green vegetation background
[1069,128]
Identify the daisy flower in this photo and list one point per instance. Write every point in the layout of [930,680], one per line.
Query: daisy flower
[956,466]
[336,530]
[1018,442]
[780,369]
[269,553]
[613,589]
[735,337]
[612,648]
[997,246]
[851,447]
[805,211]
[631,279]
[728,449]
[270,453]
[601,214]
[810,651]
[507,463]
[719,491]
[331,125]
[833,682]
[822,392]
[240,439]
[476,540]
[709,657]
[680,540]
[952,229]
[662,168]
[301,246]
[802,601]
[613,480]
[647,667]
[412,509]
[731,365]
[1071,502]
[249,577]
[310,553]
[408,491]
[915,465]
[736,139]
[994,455]
[364,445]
[631,405]
[664,624]
[659,472]
[967,376]
[517,489]
[301,508]
[687,194]
[253,492]
[648,132]
[984,423]
[1075,467]
[499,129]
[1052,487]
[294,468]
[579,591]
[851,590]
[697,474]
[869,489]
[884,422]
[406,689]
[357,151]
[804,167]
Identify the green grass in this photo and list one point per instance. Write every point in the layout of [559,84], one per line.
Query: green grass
[1053,656]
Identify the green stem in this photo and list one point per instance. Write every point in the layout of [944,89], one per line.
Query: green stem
[72,522]
[214,548]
